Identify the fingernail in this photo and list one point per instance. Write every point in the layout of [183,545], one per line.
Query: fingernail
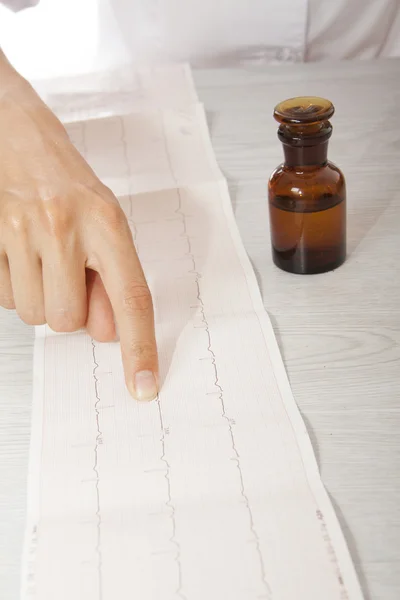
[145,386]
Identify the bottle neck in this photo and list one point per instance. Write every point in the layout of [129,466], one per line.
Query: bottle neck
[302,156]
[305,145]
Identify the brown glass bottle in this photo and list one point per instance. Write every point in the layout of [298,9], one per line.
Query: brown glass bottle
[307,193]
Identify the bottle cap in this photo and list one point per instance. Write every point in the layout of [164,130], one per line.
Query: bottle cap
[303,110]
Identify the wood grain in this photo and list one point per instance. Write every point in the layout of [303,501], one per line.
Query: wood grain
[339,333]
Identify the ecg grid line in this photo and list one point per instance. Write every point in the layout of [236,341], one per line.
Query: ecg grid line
[219,393]
[217,384]
[98,439]
[318,513]
[98,442]
[163,458]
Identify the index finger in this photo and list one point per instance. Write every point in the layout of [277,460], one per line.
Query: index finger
[131,300]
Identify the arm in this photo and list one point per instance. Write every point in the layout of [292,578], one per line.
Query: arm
[8,75]
[67,257]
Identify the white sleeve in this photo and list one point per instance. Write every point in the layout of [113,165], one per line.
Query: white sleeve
[17,5]
[354,29]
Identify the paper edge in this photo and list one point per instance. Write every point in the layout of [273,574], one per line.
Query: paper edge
[305,447]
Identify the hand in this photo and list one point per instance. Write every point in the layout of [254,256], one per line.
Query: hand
[67,257]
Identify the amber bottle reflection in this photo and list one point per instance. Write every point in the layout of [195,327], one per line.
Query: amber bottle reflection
[307,193]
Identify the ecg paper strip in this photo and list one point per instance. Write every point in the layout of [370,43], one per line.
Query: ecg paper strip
[121,91]
[211,492]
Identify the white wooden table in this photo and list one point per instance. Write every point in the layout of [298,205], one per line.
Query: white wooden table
[339,333]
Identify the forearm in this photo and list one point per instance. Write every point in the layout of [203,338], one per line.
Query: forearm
[15,90]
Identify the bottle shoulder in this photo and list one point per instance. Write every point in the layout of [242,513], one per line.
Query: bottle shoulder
[300,181]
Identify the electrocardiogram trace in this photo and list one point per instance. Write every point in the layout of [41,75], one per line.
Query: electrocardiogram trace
[98,441]
[220,392]
[163,458]
[181,212]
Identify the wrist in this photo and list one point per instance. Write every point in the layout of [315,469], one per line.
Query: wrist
[8,75]
[16,93]
[12,85]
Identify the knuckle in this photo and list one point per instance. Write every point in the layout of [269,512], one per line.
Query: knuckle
[138,300]
[142,352]
[115,218]
[15,219]
[52,215]
[103,191]
[57,217]
[110,216]
[65,321]
[32,316]
[7,302]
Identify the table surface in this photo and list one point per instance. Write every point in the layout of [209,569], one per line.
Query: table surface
[339,333]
